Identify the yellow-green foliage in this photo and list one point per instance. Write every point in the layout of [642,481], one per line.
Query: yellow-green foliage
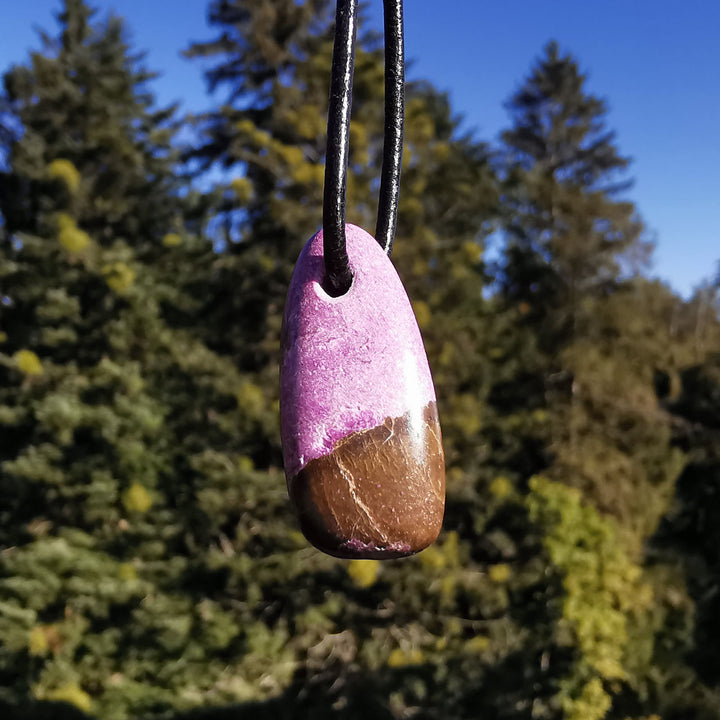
[441,151]
[603,591]
[245,464]
[499,573]
[478,644]
[465,415]
[28,362]
[592,703]
[242,188]
[442,566]
[171,240]
[250,398]
[66,172]
[37,641]
[411,207]
[70,236]
[432,558]
[119,276]
[306,173]
[137,499]
[71,693]
[126,570]
[419,125]
[442,555]
[501,487]
[472,252]
[403,658]
[306,121]
[359,142]
[268,150]
[364,573]
[422,313]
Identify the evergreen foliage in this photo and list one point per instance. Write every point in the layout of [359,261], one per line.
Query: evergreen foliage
[567,234]
[149,563]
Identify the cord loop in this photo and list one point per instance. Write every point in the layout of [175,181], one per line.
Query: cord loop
[338,276]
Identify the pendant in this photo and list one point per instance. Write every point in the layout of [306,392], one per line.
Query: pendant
[361,439]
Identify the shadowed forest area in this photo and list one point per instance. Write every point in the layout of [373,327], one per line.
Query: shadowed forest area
[150,565]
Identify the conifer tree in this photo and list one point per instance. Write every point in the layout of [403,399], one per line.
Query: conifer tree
[155,565]
[566,270]
[568,236]
[150,564]
[570,272]
[685,545]
[95,154]
[273,70]
[115,422]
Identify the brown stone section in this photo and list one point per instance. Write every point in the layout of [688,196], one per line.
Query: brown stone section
[379,494]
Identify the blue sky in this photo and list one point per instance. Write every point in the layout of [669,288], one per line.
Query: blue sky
[656,62]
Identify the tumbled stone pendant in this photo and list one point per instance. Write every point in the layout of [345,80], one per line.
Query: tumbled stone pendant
[361,438]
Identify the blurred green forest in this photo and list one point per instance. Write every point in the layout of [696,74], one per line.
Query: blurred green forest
[150,566]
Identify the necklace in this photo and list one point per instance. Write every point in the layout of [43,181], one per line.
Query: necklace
[361,438]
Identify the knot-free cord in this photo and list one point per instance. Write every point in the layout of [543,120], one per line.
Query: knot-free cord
[394,123]
[337,267]
[338,276]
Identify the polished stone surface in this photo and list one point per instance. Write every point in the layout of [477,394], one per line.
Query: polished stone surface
[361,441]
[379,493]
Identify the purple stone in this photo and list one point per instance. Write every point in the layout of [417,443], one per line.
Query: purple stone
[361,440]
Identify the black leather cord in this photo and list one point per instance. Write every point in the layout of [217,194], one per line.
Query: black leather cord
[338,276]
[394,124]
